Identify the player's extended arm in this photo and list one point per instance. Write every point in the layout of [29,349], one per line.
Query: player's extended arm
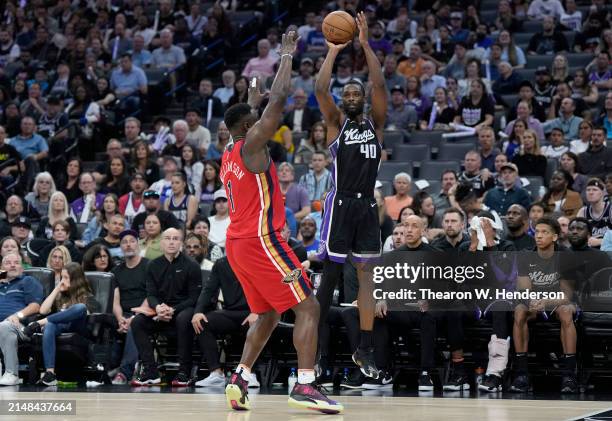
[327,106]
[257,137]
[379,91]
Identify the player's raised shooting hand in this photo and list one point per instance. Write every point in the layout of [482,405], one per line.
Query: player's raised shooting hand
[289,43]
[336,47]
[362,24]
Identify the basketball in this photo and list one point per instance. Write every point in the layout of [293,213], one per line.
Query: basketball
[339,27]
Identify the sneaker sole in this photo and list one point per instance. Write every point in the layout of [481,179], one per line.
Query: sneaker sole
[154,382]
[320,406]
[568,390]
[378,386]
[349,386]
[372,373]
[489,389]
[233,396]
[426,388]
[448,388]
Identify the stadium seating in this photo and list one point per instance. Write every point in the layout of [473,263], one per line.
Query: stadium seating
[434,169]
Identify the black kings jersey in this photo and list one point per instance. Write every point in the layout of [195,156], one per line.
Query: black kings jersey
[356,154]
[601,224]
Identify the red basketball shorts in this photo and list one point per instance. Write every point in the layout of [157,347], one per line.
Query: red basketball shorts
[270,273]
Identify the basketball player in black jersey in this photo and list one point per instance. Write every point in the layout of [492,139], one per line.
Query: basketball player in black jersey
[350,216]
[597,211]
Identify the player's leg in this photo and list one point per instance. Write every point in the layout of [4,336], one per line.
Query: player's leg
[565,314]
[520,334]
[458,379]
[499,345]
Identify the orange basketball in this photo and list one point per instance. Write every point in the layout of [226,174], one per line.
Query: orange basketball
[339,27]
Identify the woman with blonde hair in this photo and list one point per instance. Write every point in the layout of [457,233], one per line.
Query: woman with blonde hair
[59,210]
[40,196]
[559,70]
[530,161]
[58,258]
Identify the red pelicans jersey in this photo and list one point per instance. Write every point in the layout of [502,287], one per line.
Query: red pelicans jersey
[256,206]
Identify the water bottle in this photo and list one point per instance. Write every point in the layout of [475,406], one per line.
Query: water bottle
[479,375]
[292,380]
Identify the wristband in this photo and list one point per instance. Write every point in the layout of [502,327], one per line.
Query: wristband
[287,54]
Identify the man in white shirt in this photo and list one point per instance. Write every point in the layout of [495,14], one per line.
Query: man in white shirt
[198,136]
[540,8]
[304,30]
[220,221]
[225,92]
[557,145]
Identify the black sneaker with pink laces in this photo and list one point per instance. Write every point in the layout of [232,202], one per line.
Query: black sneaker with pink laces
[236,392]
[311,396]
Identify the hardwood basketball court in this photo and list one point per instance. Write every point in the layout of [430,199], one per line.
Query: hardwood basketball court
[151,405]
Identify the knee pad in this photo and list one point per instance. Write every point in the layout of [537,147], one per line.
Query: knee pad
[498,355]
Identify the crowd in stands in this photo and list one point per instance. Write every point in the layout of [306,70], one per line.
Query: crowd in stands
[100,172]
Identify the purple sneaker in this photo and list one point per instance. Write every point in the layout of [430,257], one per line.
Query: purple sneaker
[311,396]
[236,393]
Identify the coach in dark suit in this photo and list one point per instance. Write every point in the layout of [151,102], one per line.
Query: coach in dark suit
[301,118]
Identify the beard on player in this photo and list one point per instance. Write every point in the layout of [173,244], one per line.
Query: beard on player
[353,109]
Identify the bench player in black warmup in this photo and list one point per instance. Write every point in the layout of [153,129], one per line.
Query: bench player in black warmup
[350,215]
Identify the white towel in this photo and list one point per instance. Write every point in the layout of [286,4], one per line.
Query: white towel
[496,224]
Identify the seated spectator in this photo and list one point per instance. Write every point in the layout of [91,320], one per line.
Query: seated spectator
[472,72]
[401,198]
[309,25]
[395,240]
[486,147]
[458,33]
[263,64]
[128,82]
[476,110]
[220,221]
[605,119]
[57,259]
[505,17]
[559,70]
[131,203]
[66,308]
[198,136]
[39,197]
[300,118]
[601,75]
[10,245]
[539,9]
[377,40]
[315,41]
[181,203]
[530,161]
[581,144]
[164,186]
[517,221]
[527,94]
[549,41]
[560,197]
[318,180]
[509,82]
[131,130]
[193,169]
[557,145]
[167,56]
[524,113]
[414,96]
[83,209]
[179,130]
[583,89]
[210,182]
[442,199]
[194,248]
[201,226]
[400,115]
[142,162]
[35,106]
[215,151]
[316,142]
[152,205]
[412,65]
[31,147]
[24,301]
[543,88]
[562,91]
[53,120]
[512,146]
[13,209]
[210,106]
[456,65]
[569,163]
[116,179]
[211,322]
[430,81]
[566,121]
[596,161]
[173,295]
[225,92]
[296,197]
[500,198]
[571,19]
[510,51]
[60,237]
[240,91]
[59,210]
[96,226]
[596,211]
[490,66]
[141,57]
[479,178]
[151,237]
[21,230]
[440,114]
[113,226]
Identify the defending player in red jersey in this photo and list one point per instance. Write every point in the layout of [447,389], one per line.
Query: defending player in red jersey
[271,276]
